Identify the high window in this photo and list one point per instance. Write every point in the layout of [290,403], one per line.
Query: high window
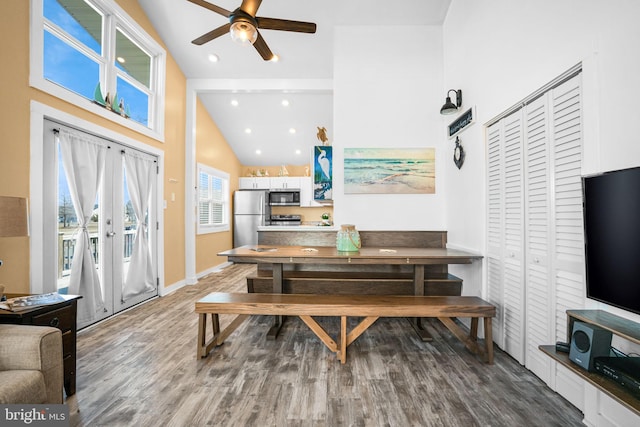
[213,200]
[92,54]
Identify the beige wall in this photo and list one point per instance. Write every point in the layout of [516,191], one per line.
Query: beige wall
[14,144]
[213,150]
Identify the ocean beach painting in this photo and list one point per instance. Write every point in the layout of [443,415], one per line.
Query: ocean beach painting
[389,171]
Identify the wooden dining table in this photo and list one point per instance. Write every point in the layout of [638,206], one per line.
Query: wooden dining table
[279,256]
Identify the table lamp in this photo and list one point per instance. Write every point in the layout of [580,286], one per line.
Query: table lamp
[13,220]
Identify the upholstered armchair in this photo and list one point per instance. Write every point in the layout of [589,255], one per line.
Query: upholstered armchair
[31,369]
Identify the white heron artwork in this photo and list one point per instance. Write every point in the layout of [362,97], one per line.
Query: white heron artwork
[324,163]
[322,172]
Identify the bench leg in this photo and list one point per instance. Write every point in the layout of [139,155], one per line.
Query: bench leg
[473,331]
[470,343]
[204,346]
[471,340]
[278,321]
[343,339]
[418,290]
[321,333]
[359,330]
[488,339]
[273,332]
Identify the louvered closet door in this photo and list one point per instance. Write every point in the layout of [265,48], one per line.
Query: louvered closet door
[538,230]
[553,226]
[513,303]
[568,239]
[495,228]
[535,235]
[505,233]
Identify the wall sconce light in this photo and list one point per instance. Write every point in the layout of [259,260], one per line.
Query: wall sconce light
[449,107]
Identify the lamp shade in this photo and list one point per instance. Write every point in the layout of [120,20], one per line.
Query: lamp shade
[244,33]
[448,107]
[13,217]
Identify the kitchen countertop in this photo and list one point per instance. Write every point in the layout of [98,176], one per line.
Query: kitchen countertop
[297,228]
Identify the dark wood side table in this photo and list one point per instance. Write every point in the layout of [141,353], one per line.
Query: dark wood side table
[61,315]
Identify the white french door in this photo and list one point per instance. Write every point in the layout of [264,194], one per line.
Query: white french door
[120,269]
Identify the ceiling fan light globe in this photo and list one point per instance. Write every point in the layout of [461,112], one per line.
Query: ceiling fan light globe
[243,33]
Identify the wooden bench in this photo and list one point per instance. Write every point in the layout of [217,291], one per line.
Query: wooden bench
[374,279]
[371,307]
[347,282]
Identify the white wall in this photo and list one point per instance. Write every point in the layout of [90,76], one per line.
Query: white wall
[499,51]
[387,93]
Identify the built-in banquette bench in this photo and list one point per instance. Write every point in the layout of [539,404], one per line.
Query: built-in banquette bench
[368,307]
[356,279]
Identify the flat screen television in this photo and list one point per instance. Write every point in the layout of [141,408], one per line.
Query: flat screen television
[612,237]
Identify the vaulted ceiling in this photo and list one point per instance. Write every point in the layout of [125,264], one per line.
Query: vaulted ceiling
[277,130]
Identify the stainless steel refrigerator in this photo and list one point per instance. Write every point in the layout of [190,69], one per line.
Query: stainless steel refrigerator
[250,210]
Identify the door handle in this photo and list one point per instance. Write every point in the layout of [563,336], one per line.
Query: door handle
[111,233]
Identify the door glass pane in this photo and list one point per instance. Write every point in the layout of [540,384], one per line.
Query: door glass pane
[68,230]
[130,226]
[77,19]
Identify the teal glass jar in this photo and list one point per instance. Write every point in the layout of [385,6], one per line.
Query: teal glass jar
[348,239]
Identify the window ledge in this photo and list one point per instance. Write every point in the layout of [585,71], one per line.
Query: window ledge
[212,229]
[81,102]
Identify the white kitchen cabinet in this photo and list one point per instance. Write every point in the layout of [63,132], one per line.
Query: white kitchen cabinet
[254,183]
[306,192]
[285,183]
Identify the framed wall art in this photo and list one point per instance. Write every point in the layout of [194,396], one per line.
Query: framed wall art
[323,172]
[389,171]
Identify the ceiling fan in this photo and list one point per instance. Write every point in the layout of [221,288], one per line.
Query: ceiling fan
[243,26]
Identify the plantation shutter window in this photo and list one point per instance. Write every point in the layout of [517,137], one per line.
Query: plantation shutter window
[213,200]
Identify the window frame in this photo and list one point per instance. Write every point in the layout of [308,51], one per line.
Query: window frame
[213,173]
[115,18]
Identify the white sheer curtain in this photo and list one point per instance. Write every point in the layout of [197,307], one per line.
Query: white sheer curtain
[83,158]
[140,172]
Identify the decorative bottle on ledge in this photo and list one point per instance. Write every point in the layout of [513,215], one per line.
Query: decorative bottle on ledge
[348,239]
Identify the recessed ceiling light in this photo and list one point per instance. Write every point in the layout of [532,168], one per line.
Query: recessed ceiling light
[298,152]
[292,130]
[247,130]
[120,59]
[213,57]
[275,58]
[258,152]
[285,102]
[234,102]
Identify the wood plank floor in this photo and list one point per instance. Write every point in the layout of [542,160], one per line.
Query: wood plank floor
[140,369]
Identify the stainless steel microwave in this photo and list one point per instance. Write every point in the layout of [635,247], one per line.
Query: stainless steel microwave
[284,197]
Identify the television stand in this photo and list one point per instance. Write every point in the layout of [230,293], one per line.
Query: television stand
[624,328]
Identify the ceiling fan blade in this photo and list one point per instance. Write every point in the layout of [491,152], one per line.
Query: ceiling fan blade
[286,25]
[251,6]
[220,31]
[262,48]
[213,7]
